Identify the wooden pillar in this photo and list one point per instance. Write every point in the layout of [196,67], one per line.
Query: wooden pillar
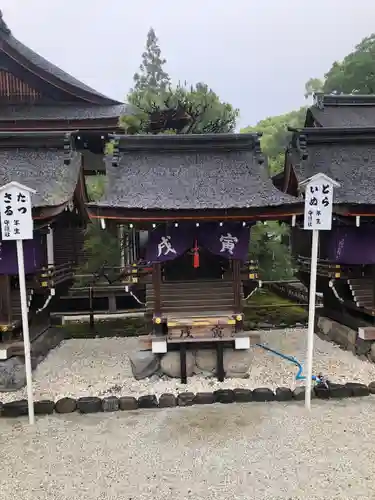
[50,247]
[5,299]
[236,276]
[156,284]
[121,240]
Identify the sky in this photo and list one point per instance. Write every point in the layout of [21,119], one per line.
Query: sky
[257,55]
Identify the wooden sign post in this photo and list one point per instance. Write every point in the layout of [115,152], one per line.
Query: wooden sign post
[17,225]
[318,217]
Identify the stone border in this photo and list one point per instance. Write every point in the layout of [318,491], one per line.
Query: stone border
[88,405]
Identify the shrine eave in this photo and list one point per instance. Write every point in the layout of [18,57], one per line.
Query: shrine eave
[282,212]
[67,117]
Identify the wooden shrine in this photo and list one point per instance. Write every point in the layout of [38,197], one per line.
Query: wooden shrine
[53,131]
[47,163]
[339,142]
[36,95]
[188,203]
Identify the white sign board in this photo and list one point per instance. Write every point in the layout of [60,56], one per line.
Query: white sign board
[318,216]
[15,212]
[17,224]
[318,203]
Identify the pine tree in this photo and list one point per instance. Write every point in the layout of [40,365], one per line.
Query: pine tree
[151,76]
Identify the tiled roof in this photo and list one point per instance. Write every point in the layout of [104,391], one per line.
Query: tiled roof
[346,157]
[62,112]
[342,111]
[42,170]
[182,172]
[42,63]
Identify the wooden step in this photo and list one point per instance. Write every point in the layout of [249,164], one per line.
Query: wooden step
[365,303]
[192,294]
[193,308]
[360,281]
[364,288]
[193,284]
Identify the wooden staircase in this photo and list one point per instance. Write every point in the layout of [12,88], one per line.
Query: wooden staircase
[363,292]
[199,308]
[197,297]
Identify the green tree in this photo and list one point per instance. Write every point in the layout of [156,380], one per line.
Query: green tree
[276,136]
[151,76]
[100,246]
[163,108]
[181,110]
[270,247]
[355,74]
[313,85]
[270,240]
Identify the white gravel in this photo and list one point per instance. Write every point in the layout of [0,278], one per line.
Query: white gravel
[219,452]
[101,367]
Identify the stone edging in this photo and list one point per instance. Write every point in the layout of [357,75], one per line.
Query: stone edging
[112,403]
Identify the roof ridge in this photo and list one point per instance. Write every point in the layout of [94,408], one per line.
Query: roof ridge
[322,100]
[48,68]
[3,25]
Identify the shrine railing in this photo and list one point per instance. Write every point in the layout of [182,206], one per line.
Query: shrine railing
[332,269]
[250,270]
[114,276]
[51,276]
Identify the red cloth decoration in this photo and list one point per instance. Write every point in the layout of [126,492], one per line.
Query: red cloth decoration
[196,255]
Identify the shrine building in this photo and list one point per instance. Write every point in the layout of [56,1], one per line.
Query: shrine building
[338,140]
[53,131]
[189,203]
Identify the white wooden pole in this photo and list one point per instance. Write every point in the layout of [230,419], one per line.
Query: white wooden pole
[311,323]
[25,329]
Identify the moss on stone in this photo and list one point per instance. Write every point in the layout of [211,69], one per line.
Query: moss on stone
[264,307]
[124,327]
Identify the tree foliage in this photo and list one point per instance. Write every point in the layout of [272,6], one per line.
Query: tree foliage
[160,107]
[270,240]
[276,136]
[151,76]
[100,246]
[270,247]
[183,109]
[355,74]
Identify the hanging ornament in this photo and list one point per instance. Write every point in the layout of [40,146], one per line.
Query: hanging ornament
[196,255]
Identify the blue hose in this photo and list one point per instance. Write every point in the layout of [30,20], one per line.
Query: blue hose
[292,359]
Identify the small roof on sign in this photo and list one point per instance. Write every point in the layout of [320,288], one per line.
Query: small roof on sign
[320,177]
[18,185]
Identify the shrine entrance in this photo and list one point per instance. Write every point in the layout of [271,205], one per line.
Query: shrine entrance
[211,267]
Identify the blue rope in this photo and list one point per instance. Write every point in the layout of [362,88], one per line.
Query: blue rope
[292,359]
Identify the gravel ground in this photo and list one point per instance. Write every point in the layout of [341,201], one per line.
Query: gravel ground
[225,452]
[101,367]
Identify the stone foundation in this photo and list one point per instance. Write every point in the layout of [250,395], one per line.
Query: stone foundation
[345,337]
[12,370]
[199,362]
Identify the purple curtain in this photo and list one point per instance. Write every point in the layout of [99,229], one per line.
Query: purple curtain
[32,251]
[231,240]
[352,245]
[167,243]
